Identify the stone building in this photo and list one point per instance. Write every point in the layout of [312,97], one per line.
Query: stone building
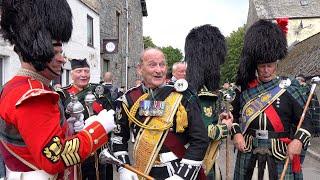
[94,22]
[303,32]
[121,38]
[304,16]
[79,46]
[303,58]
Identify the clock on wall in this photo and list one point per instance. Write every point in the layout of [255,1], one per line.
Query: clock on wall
[110,46]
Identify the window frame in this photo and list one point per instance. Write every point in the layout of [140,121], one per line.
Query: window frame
[91,44]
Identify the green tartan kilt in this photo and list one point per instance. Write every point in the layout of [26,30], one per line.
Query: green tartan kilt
[243,161]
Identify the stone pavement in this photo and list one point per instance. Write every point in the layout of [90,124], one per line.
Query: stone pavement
[310,166]
[314,148]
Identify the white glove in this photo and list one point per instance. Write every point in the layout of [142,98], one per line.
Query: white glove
[126,174]
[89,121]
[174,177]
[105,118]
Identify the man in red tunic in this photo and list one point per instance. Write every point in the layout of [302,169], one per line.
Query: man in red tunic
[81,88]
[34,139]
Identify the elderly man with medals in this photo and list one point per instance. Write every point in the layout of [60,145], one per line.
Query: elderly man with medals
[205,51]
[170,143]
[268,109]
[94,98]
[35,139]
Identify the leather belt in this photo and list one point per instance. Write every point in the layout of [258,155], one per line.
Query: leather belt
[265,134]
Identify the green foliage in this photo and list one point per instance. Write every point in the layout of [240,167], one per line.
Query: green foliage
[172,55]
[234,44]
[147,42]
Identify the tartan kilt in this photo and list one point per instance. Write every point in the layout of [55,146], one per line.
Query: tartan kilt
[215,172]
[243,161]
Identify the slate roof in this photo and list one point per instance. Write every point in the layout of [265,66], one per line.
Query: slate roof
[303,58]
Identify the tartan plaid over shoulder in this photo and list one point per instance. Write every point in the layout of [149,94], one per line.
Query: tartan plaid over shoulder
[295,90]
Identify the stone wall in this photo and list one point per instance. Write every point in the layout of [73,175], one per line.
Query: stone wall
[113,25]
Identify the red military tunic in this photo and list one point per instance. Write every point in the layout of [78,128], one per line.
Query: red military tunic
[32,109]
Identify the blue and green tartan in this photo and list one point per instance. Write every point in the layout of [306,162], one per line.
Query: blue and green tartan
[294,90]
[243,160]
[315,116]
[314,109]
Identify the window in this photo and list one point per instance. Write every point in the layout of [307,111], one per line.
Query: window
[106,65]
[118,23]
[90,31]
[1,71]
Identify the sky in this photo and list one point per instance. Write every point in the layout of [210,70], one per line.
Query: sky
[169,21]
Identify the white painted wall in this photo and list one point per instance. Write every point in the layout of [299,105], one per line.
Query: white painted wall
[76,48]
[11,62]
[311,27]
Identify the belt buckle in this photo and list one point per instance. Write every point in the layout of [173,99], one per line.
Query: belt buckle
[262,134]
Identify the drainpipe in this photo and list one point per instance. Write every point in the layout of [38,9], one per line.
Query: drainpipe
[127,42]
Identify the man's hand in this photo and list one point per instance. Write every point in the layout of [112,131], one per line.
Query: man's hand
[226,118]
[239,142]
[294,147]
[76,122]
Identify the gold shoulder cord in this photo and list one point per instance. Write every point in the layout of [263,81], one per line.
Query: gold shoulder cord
[133,112]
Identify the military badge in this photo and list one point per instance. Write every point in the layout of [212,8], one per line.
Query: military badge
[180,85]
[117,129]
[118,113]
[151,108]
[53,149]
[207,111]
[249,111]
[265,97]
[285,83]
[99,90]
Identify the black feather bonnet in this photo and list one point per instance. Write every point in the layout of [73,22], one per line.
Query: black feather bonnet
[264,42]
[205,50]
[33,25]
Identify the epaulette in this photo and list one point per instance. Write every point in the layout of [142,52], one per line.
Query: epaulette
[36,88]
[128,94]
[60,91]
[132,89]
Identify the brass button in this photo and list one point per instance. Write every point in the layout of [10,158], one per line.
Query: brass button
[91,131]
[96,141]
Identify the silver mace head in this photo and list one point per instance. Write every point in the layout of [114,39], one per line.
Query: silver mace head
[228,95]
[315,80]
[89,98]
[74,107]
[106,157]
